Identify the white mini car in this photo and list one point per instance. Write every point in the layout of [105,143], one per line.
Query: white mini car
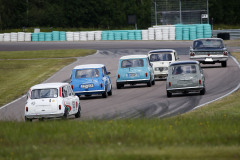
[160,60]
[50,100]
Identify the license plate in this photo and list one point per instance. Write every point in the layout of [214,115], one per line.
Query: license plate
[208,59]
[86,86]
[132,74]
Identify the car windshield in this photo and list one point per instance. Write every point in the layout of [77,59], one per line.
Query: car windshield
[87,73]
[44,93]
[161,57]
[184,69]
[208,43]
[132,63]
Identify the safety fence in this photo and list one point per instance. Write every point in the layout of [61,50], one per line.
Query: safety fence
[162,32]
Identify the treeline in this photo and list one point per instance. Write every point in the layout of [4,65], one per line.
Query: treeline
[105,14]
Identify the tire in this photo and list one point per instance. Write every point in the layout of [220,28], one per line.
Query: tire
[224,64]
[28,119]
[78,114]
[169,94]
[65,115]
[149,84]
[119,86]
[110,92]
[153,82]
[104,95]
[203,91]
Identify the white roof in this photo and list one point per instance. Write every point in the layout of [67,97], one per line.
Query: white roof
[86,66]
[134,56]
[48,85]
[161,50]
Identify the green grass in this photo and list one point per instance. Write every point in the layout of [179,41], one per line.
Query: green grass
[17,76]
[45,54]
[208,133]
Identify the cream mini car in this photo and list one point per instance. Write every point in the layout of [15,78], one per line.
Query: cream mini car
[160,60]
[50,100]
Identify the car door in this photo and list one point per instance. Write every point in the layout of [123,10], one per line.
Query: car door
[67,100]
[72,99]
[150,68]
[106,78]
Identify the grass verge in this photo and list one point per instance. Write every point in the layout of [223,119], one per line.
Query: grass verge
[17,76]
[210,133]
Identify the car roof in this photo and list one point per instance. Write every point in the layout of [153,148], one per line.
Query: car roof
[183,62]
[134,56]
[48,85]
[208,38]
[87,66]
[161,50]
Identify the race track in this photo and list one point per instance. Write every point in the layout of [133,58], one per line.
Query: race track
[131,101]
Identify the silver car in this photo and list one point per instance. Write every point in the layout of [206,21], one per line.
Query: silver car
[185,77]
[209,51]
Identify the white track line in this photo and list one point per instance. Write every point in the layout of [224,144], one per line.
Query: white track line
[42,82]
[235,89]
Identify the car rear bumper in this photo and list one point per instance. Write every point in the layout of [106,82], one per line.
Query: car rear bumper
[89,92]
[132,81]
[189,89]
[37,116]
[209,60]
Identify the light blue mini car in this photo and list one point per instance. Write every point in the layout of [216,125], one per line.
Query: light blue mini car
[91,79]
[134,69]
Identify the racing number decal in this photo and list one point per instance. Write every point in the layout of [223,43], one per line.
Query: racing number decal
[68,106]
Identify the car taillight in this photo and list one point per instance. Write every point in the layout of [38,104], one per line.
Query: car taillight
[169,84]
[118,75]
[208,54]
[26,109]
[72,86]
[60,107]
[192,54]
[101,85]
[225,53]
[200,82]
[146,74]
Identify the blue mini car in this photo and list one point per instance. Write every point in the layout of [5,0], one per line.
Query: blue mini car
[134,69]
[91,79]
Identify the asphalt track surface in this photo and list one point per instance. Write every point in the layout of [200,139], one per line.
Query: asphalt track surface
[131,101]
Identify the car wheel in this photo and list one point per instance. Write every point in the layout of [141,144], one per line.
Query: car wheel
[78,114]
[149,84]
[104,95]
[65,115]
[203,91]
[119,86]
[110,92]
[153,82]
[28,119]
[169,94]
[224,64]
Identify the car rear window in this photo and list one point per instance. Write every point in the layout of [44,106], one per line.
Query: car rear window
[184,69]
[161,57]
[44,93]
[132,63]
[208,43]
[87,73]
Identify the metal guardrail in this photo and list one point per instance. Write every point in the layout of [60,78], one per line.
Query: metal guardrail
[234,33]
